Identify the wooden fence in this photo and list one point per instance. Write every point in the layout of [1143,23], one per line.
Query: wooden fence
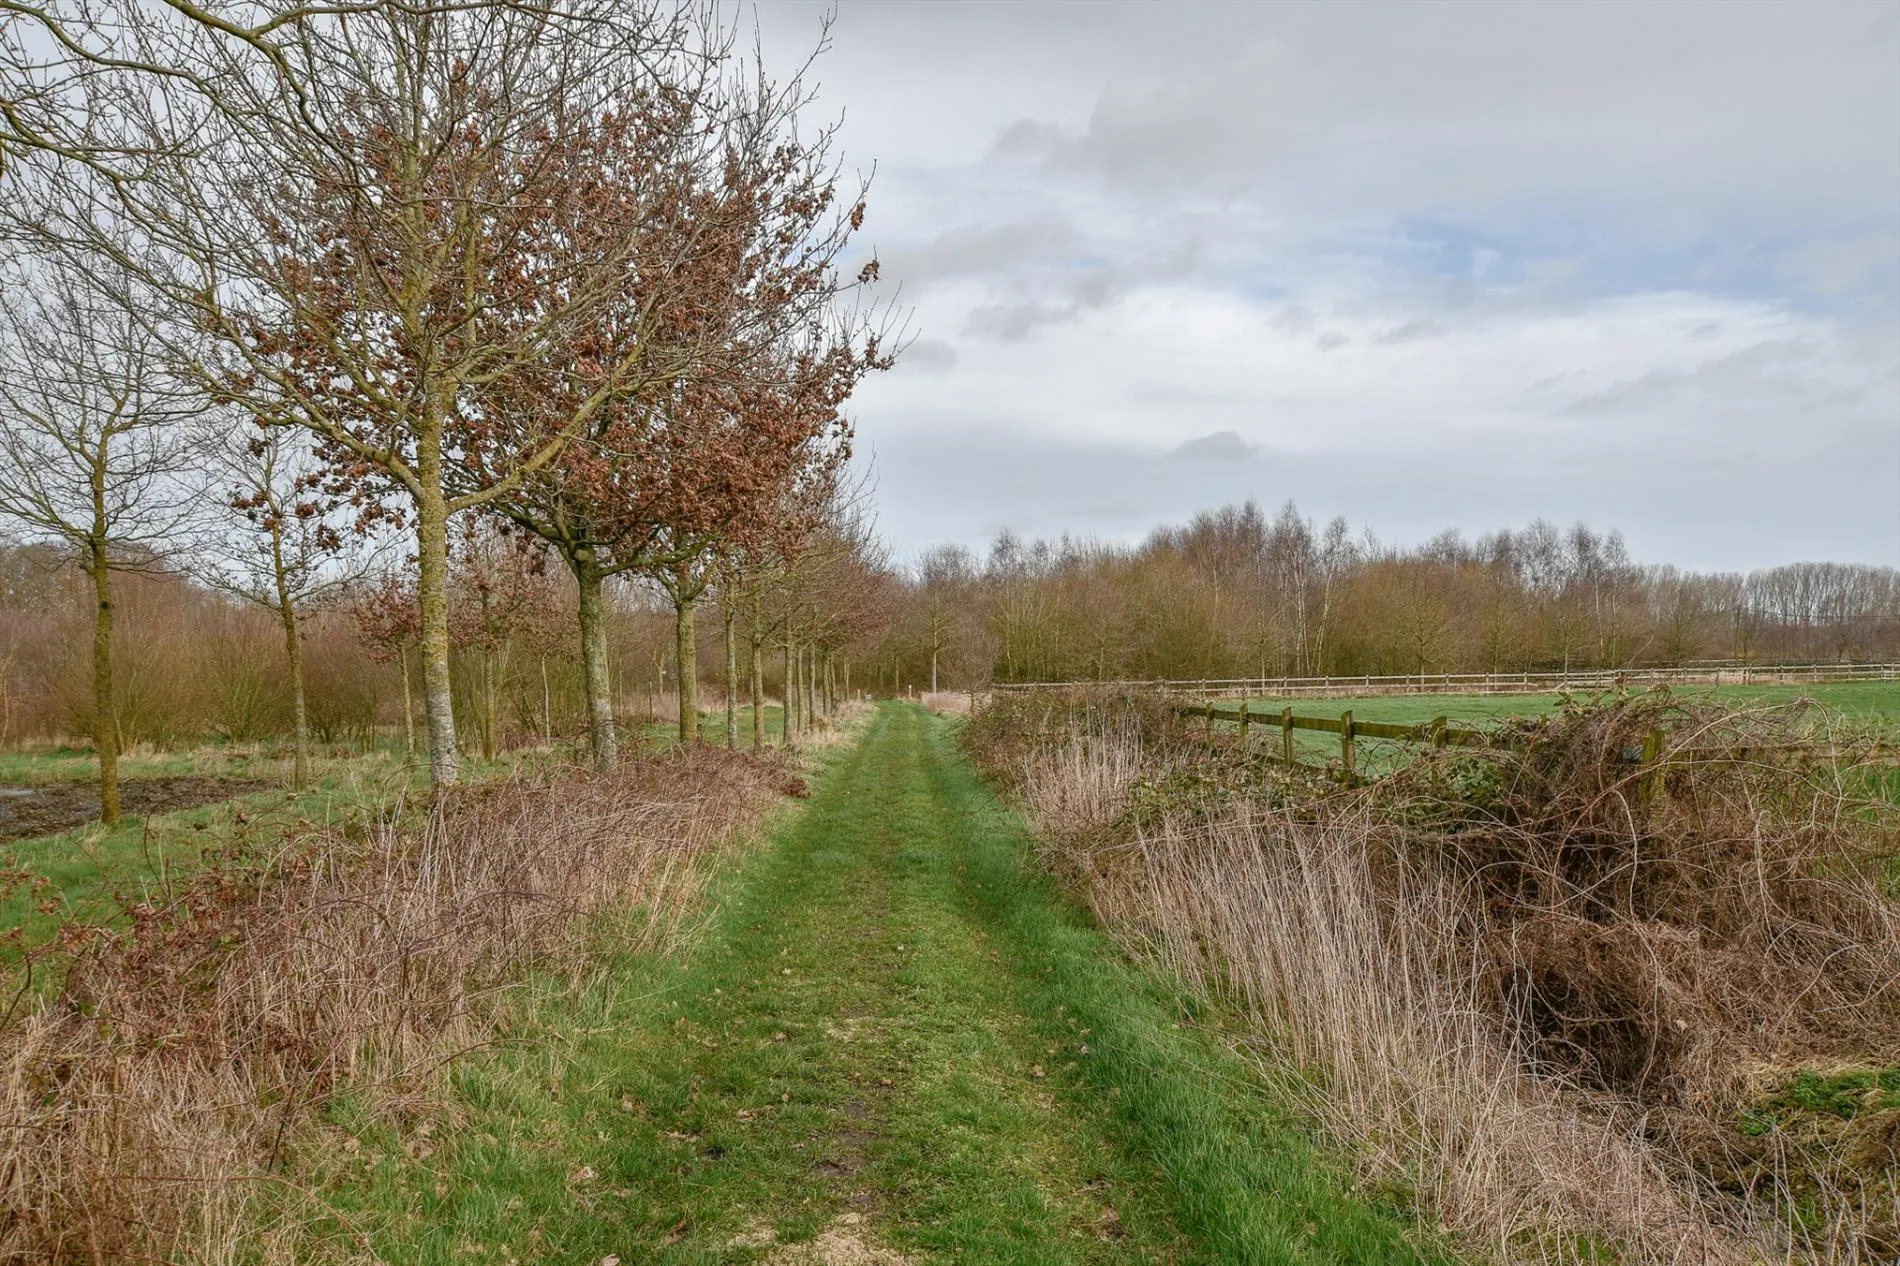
[1488,683]
[1439,733]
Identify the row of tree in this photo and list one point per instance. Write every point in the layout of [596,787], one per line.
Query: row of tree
[1235,593]
[192,664]
[504,283]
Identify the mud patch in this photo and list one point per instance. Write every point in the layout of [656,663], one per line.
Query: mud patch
[48,808]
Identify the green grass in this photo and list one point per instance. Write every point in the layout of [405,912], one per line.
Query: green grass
[712,727]
[85,874]
[31,766]
[887,1023]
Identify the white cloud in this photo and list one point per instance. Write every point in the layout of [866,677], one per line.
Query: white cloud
[1436,264]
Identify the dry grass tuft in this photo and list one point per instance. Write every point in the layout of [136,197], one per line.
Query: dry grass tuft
[1536,986]
[956,703]
[841,726]
[170,1074]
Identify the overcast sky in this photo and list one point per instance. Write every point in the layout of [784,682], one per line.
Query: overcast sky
[1423,265]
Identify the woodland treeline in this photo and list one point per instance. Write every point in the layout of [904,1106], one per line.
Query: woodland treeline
[1233,593]
[1236,593]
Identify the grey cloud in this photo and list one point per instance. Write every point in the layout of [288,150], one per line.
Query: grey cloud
[1775,382]
[1221,446]
[1406,332]
[1024,311]
[928,356]
[982,250]
[1027,138]
[1014,322]
[1343,167]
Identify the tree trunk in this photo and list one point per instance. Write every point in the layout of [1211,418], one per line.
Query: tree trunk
[432,603]
[804,687]
[105,715]
[815,682]
[600,703]
[788,695]
[408,708]
[686,651]
[547,704]
[299,712]
[293,655]
[491,706]
[758,696]
[933,667]
[732,684]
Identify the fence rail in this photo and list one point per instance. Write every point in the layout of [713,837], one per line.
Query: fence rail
[1440,733]
[1485,683]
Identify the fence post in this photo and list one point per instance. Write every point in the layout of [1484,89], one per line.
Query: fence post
[1243,725]
[1345,743]
[1651,784]
[1207,728]
[1286,734]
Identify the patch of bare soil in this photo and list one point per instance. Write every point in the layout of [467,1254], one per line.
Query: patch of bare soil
[48,808]
[843,1243]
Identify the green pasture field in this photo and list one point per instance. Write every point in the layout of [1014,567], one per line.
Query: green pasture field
[1861,700]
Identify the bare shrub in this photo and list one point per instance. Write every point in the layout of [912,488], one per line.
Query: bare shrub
[179,1062]
[948,702]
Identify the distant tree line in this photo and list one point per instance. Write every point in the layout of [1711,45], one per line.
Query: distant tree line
[1236,593]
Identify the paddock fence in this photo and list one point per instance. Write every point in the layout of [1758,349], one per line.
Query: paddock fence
[1483,683]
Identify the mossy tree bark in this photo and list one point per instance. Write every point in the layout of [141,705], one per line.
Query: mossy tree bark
[432,607]
[686,654]
[105,718]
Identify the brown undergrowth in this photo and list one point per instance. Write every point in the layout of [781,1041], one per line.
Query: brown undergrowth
[165,1081]
[1544,989]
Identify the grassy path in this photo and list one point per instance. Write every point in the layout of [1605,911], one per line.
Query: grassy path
[890,1043]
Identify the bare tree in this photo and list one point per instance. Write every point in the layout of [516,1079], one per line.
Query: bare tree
[94,450]
[369,215]
[291,551]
